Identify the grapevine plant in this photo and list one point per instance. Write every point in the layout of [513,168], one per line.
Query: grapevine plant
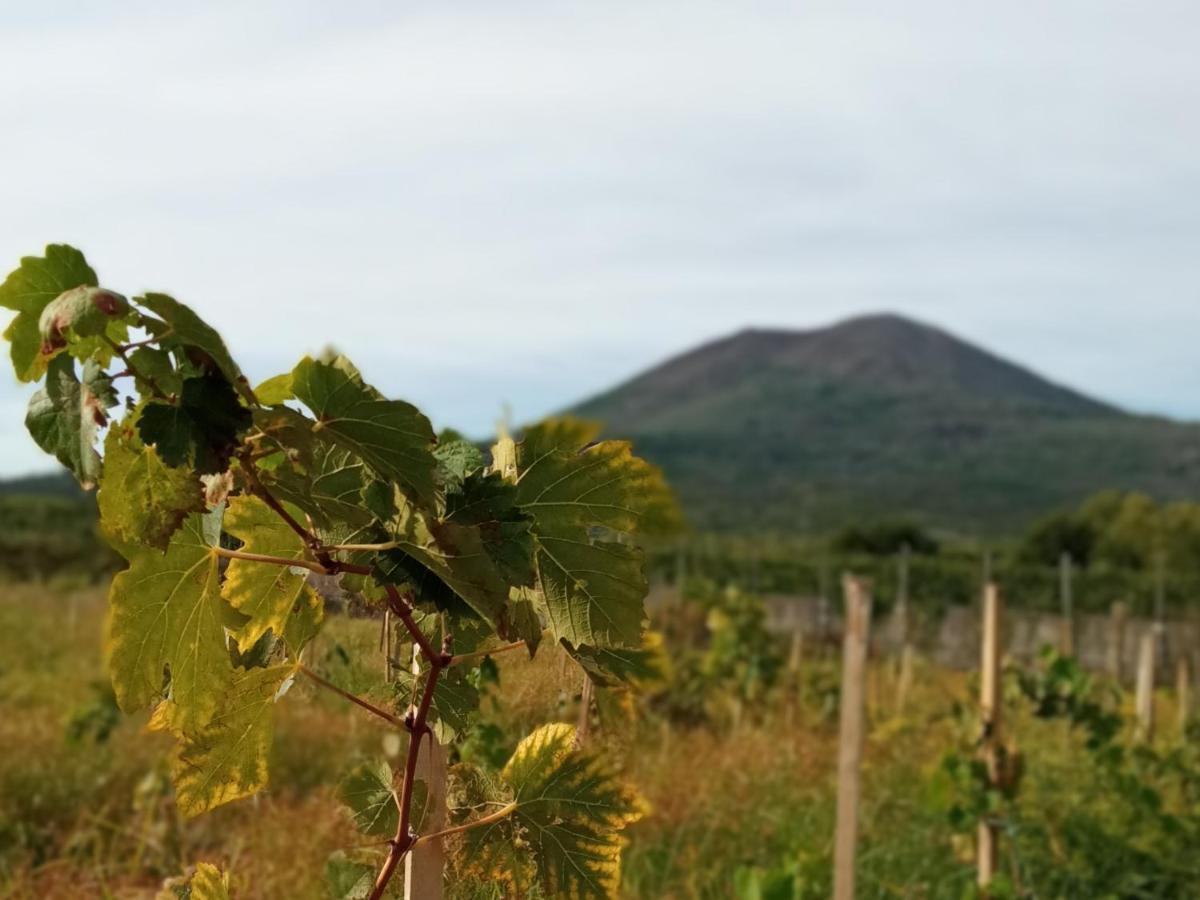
[224,499]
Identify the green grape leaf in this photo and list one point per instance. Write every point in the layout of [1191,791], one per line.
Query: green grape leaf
[141,499]
[202,429]
[432,556]
[593,587]
[66,415]
[198,340]
[29,290]
[524,622]
[207,883]
[391,436]
[613,666]
[166,610]
[569,808]
[348,880]
[305,621]
[265,593]
[367,792]
[456,458]
[275,390]
[227,758]
[154,365]
[324,480]
[489,503]
[83,311]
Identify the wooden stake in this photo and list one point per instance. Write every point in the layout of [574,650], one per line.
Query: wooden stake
[989,716]
[904,682]
[425,864]
[1183,693]
[850,740]
[585,712]
[1145,686]
[1066,644]
[1116,640]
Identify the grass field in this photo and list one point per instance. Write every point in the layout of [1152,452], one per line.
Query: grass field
[740,803]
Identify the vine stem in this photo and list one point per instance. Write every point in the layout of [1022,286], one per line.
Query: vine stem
[359,701]
[404,612]
[404,839]
[310,539]
[499,814]
[121,352]
[272,560]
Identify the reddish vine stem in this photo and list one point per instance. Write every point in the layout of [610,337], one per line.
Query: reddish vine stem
[405,839]
[404,611]
[310,539]
[132,369]
[359,701]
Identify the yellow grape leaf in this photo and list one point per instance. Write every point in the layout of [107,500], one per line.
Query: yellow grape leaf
[207,883]
[141,499]
[568,808]
[265,593]
[227,759]
[165,610]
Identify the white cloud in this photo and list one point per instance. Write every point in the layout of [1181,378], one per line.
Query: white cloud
[527,202]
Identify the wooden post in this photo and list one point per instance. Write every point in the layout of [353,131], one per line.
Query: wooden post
[850,739]
[1066,644]
[796,657]
[1145,686]
[387,644]
[904,682]
[585,712]
[1116,640]
[989,716]
[1183,693]
[425,863]
[823,606]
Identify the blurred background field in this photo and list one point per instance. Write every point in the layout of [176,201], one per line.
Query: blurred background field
[734,750]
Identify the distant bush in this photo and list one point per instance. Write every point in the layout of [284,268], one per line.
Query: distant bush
[884,539]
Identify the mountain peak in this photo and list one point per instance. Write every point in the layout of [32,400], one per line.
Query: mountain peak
[886,414]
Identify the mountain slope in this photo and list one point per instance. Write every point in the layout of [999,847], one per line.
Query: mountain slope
[882,416]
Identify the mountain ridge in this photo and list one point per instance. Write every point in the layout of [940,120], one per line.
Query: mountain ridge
[882,416]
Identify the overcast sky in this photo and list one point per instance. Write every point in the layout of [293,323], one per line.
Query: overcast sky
[488,203]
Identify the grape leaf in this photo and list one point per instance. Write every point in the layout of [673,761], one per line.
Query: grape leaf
[227,758]
[66,415]
[367,791]
[265,593]
[199,341]
[391,436]
[202,429]
[348,880]
[456,458]
[570,808]
[593,587]
[612,666]
[489,503]
[434,555]
[275,390]
[206,883]
[305,621]
[154,365]
[166,610]
[141,499]
[29,290]
[82,311]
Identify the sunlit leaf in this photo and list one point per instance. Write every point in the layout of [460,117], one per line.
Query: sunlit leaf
[166,611]
[29,290]
[227,758]
[141,499]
